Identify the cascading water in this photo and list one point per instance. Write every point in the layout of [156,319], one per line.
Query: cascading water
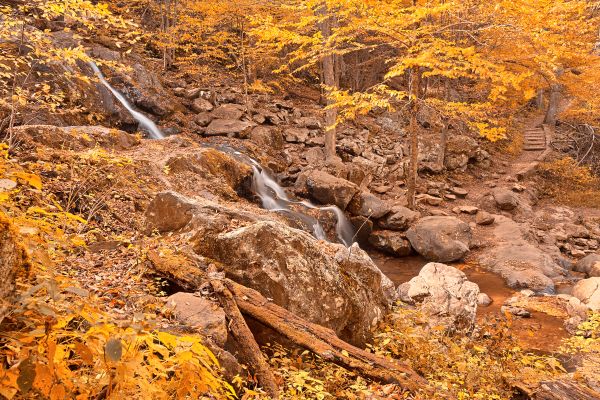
[271,194]
[274,198]
[144,122]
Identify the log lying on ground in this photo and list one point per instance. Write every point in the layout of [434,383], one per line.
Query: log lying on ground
[564,389]
[249,350]
[323,341]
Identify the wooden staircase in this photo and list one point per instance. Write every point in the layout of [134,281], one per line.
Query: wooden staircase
[534,140]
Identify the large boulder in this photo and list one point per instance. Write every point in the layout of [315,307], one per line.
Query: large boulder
[444,295]
[399,218]
[588,291]
[440,238]
[519,262]
[328,189]
[589,265]
[324,283]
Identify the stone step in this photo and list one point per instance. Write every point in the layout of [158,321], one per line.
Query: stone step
[534,148]
[535,141]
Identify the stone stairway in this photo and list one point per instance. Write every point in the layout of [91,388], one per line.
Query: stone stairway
[535,140]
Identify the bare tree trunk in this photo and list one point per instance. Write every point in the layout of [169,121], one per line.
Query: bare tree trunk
[553,104]
[539,100]
[413,169]
[329,81]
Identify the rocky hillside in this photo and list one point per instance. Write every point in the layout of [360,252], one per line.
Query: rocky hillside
[234,259]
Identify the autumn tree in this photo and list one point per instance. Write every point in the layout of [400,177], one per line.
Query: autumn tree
[36,68]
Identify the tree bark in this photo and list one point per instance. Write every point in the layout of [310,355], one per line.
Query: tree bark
[553,104]
[323,341]
[249,349]
[413,169]
[329,81]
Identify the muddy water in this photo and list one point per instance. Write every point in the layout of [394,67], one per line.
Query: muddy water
[541,332]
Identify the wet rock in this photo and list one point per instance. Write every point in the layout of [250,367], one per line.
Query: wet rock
[588,291]
[505,199]
[228,111]
[441,239]
[296,135]
[201,105]
[484,300]
[520,263]
[268,137]
[590,265]
[390,242]
[228,127]
[369,205]
[323,282]
[444,295]
[201,314]
[400,218]
[328,189]
[484,218]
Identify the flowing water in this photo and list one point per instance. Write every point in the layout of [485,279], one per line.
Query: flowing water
[143,121]
[273,197]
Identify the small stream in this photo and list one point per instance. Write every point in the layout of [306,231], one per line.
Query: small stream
[541,333]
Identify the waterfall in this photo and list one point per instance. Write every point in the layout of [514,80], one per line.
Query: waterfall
[274,198]
[271,194]
[144,122]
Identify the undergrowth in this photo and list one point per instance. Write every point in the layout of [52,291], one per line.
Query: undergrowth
[59,341]
[570,183]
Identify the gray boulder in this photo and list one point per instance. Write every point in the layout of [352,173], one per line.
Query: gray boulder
[588,292]
[324,283]
[589,265]
[444,295]
[399,218]
[328,189]
[296,135]
[439,238]
[368,205]
[201,105]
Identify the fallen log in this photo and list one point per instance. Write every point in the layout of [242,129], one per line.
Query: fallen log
[564,389]
[323,341]
[249,349]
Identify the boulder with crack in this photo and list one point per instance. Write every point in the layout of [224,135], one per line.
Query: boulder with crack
[325,283]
